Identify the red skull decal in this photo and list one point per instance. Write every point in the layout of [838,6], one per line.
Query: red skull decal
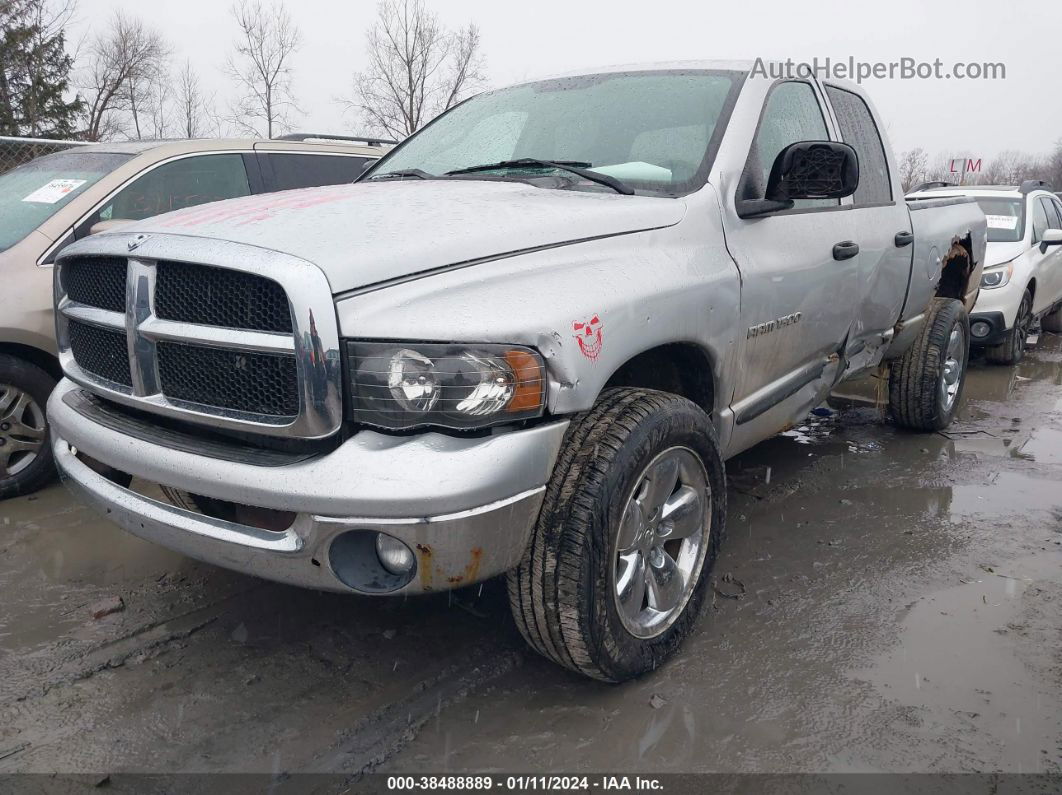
[588,333]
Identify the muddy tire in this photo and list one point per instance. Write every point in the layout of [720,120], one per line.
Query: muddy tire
[1012,349]
[25,450]
[1053,321]
[636,505]
[925,385]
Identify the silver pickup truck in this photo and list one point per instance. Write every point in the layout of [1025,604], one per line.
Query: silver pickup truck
[524,343]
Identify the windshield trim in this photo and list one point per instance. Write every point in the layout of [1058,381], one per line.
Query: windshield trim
[694,184]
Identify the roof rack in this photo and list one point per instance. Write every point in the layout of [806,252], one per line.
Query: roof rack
[325,137]
[928,185]
[1029,185]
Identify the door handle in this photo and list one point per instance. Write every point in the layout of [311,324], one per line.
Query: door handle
[903,238]
[845,250]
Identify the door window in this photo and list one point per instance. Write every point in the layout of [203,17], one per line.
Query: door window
[1040,223]
[791,114]
[859,131]
[173,186]
[1051,208]
[290,171]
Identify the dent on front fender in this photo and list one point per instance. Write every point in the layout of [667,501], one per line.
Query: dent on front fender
[587,308]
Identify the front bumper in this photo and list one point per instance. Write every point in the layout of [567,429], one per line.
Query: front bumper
[465,506]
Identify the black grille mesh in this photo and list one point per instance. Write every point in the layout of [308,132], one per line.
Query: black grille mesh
[255,382]
[96,281]
[220,297]
[100,351]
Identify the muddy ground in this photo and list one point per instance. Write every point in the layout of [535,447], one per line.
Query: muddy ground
[902,612]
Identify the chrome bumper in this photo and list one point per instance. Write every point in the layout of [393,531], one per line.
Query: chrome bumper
[465,506]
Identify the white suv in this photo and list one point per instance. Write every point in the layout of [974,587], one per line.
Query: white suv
[1022,279]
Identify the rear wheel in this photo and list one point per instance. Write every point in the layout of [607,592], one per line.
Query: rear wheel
[1012,349]
[25,455]
[615,574]
[925,385]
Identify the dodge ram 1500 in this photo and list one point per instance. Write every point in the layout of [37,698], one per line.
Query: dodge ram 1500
[524,343]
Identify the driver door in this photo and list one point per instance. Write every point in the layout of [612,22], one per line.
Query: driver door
[799,278]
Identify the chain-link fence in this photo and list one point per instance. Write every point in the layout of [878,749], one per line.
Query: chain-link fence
[16,151]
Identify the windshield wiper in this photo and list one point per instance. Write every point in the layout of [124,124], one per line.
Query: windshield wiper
[416,173]
[572,166]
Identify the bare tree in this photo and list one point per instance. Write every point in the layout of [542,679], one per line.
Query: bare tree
[193,108]
[1054,166]
[417,68]
[913,166]
[149,100]
[1012,168]
[261,66]
[122,56]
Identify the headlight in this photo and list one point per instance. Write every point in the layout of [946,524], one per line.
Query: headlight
[409,385]
[997,276]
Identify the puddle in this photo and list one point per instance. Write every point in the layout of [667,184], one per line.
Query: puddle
[1006,493]
[1044,446]
[962,653]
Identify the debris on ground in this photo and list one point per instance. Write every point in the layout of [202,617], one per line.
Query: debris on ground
[735,591]
[389,634]
[656,701]
[106,607]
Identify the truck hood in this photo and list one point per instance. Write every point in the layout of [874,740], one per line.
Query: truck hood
[998,253]
[373,232]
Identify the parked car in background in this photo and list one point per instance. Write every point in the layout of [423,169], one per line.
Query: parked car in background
[1022,279]
[55,200]
[523,343]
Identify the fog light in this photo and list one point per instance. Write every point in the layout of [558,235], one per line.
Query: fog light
[394,556]
[980,329]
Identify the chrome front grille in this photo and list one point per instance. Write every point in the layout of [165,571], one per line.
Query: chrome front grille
[247,341]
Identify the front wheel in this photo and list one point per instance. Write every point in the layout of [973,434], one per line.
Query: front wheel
[1012,349]
[25,455]
[615,574]
[925,385]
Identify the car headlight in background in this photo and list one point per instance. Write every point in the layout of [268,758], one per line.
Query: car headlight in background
[997,276]
[403,385]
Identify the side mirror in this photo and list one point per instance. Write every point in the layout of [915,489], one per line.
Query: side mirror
[107,226]
[363,168]
[813,170]
[1052,237]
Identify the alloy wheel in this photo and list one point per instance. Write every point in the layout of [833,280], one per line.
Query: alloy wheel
[23,430]
[662,540]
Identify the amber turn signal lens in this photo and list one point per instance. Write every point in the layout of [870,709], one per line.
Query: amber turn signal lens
[529,381]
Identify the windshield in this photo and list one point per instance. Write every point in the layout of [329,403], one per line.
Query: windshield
[33,193]
[1006,219]
[654,131]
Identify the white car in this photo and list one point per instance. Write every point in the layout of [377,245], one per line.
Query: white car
[1022,278]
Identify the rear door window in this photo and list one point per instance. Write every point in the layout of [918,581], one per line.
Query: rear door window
[861,133]
[283,171]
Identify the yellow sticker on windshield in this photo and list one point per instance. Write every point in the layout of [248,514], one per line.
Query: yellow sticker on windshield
[56,190]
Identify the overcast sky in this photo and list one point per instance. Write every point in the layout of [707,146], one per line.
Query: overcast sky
[526,39]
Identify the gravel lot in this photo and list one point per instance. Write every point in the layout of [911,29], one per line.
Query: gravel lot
[901,611]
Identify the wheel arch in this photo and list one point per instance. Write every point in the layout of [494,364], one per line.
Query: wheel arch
[681,368]
[42,359]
